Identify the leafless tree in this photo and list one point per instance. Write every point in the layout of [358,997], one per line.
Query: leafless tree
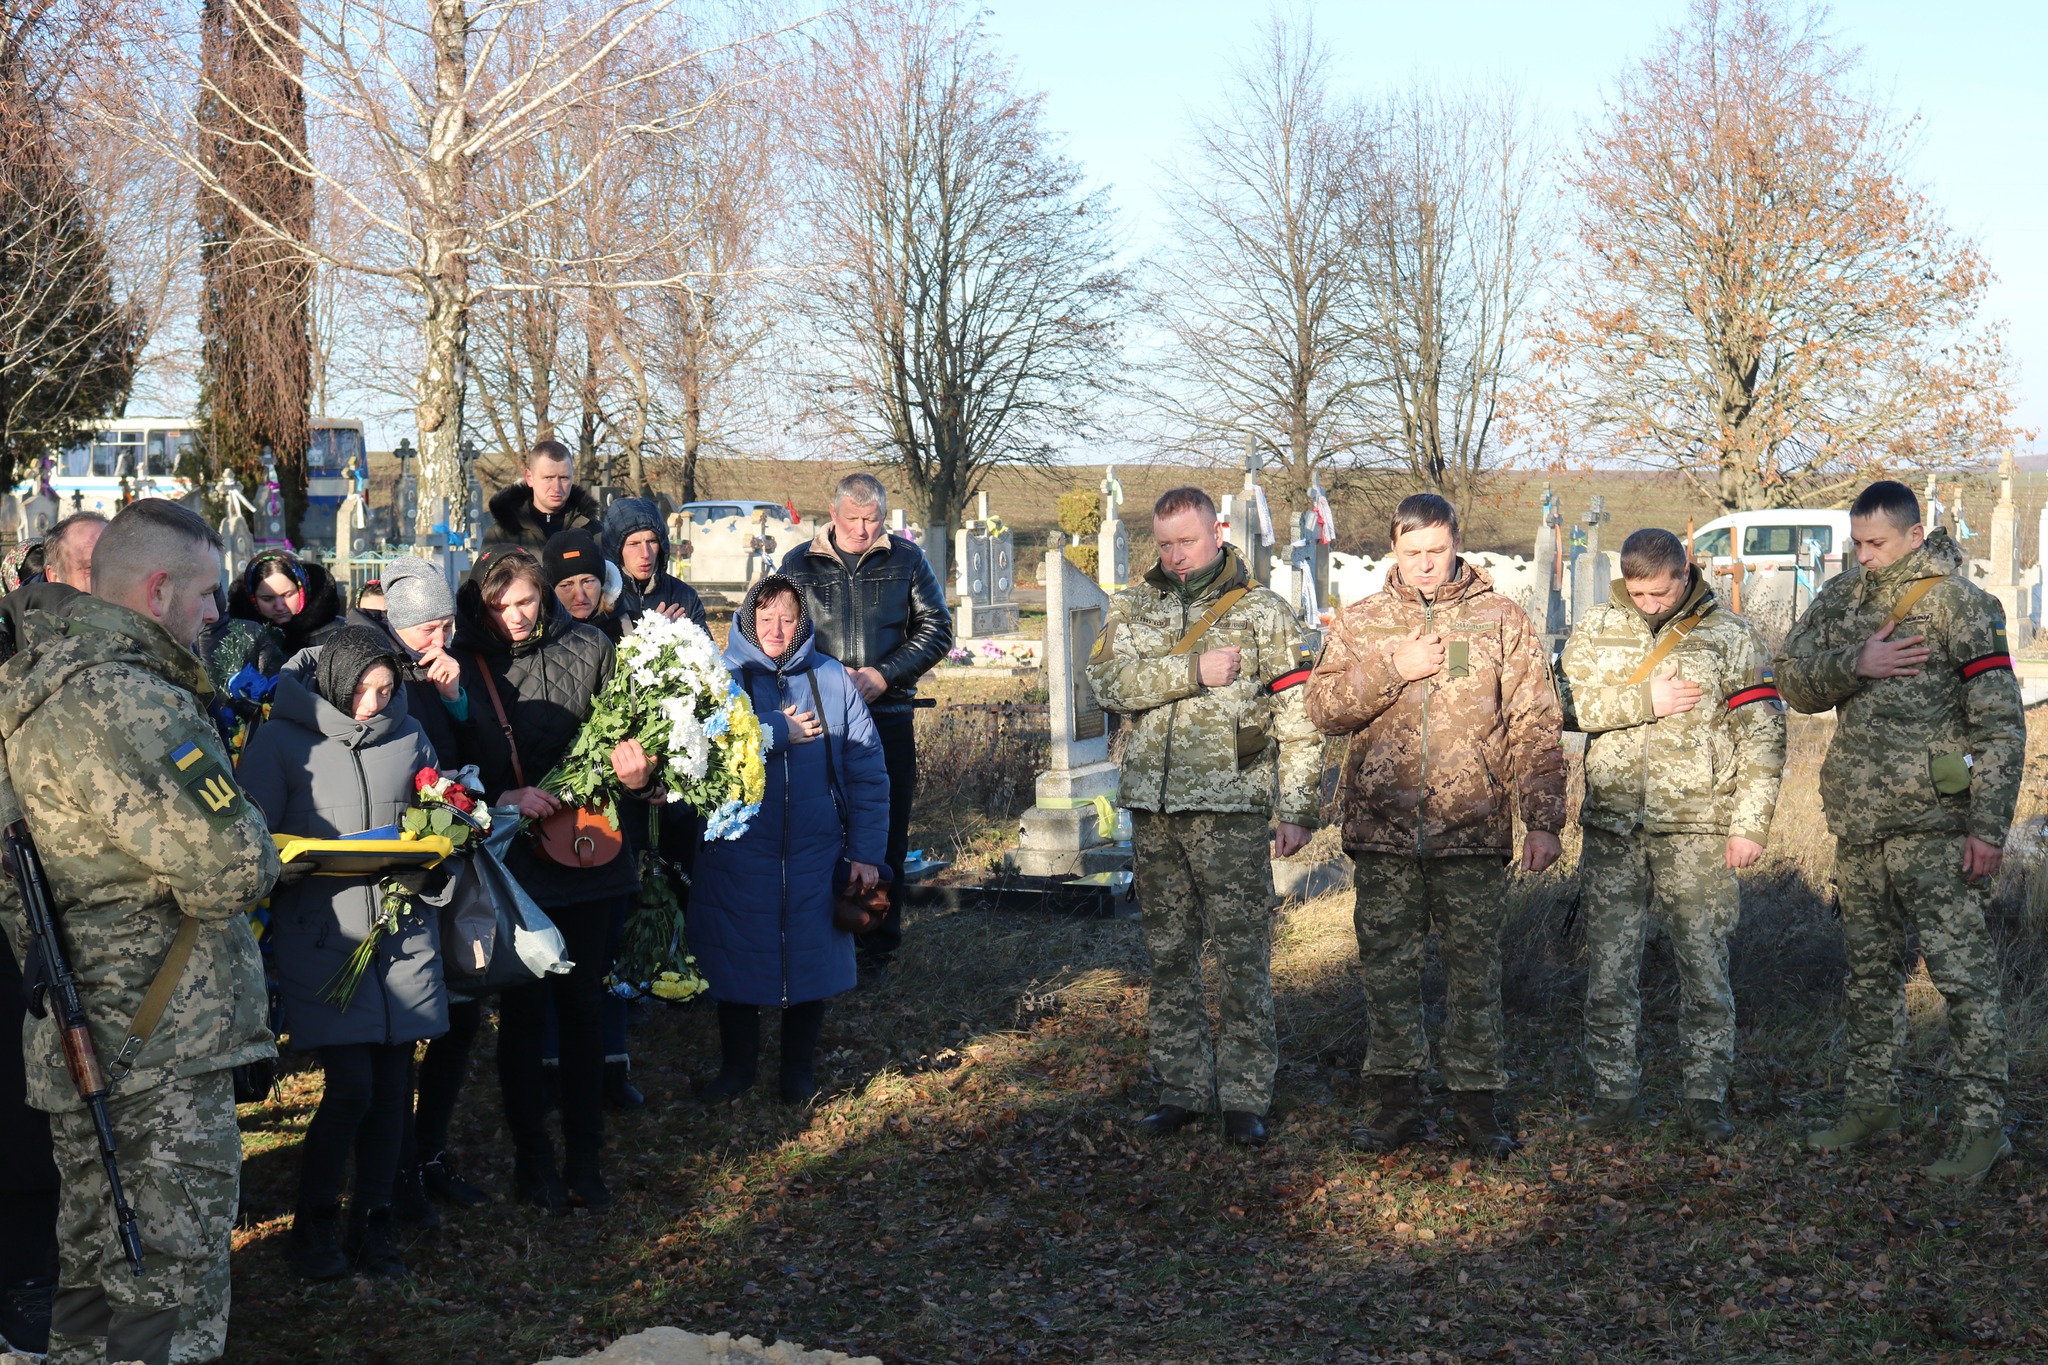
[427,94]
[1758,297]
[1259,298]
[1442,214]
[964,305]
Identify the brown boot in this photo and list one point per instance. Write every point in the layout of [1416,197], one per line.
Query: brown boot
[1399,1120]
[1480,1127]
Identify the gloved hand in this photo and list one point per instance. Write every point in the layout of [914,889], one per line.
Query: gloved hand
[295,871]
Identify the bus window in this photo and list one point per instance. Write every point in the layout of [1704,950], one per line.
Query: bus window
[115,453]
[1710,544]
[162,454]
[1768,540]
[331,450]
[1822,536]
[75,460]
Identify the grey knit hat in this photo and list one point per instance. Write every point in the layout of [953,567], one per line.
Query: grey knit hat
[415,593]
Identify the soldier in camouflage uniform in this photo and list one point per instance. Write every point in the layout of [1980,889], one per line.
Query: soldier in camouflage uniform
[1919,785]
[132,804]
[1207,666]
[1686,745]
[1443,686]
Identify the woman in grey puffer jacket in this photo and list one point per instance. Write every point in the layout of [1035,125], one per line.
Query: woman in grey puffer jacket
[339,757]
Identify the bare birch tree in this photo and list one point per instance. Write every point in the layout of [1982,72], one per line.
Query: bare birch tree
[1259,297]
[964,306]
[1443,220]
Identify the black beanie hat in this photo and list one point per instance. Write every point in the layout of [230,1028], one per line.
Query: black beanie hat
[348,654]
[569,553]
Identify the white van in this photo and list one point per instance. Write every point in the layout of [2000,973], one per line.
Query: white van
[1774,538]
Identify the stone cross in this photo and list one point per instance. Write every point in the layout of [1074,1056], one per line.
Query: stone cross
[1061,835]
[1247,526]
[1112,542]
[1589,569]
[985,576]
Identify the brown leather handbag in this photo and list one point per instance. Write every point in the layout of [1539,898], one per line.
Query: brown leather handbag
[574,836]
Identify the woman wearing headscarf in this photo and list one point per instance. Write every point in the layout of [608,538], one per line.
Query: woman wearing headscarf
[338,757]
[761,919]
[292,599]
[520,651]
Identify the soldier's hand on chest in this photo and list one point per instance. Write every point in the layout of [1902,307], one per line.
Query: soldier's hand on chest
[1884,657]
[1219,667]
[1671,695]
[1419,656]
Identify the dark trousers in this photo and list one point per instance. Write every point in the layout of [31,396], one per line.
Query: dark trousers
[578,999]
[362,1107]
[441,1074]
[612,1017]
[28,1175]
[898,732]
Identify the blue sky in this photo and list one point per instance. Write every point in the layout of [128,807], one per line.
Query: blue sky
[1120,77]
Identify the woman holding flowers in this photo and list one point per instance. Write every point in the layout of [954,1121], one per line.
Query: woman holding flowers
[338,756]
[521,654]
[761,915]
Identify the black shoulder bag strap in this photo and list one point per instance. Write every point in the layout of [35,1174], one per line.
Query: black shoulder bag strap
[831,769]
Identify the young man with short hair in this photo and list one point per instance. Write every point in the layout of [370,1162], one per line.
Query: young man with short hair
[1206,666]
[1919,785]
[545,501]
[1685,744]
[1443,687]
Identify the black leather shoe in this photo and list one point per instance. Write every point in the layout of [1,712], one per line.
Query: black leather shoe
[1167,1120]
[314,1251]
[409,1202]
[724,1088]
[372,1245]
[1248,1129]
[587,1189]
[619,1090]
[25,1314]
[797,1088]
[536,1181]
[440,1180]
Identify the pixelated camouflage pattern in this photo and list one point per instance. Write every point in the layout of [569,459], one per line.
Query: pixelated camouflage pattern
[1875,781]
[1432,764]
[1627,881]
[1208,876]
[1196,748]
[92,711]
[181,1167]
[1710,770]
[1397,901]
[1887,886]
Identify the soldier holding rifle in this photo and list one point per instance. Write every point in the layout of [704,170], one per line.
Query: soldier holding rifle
[150,855]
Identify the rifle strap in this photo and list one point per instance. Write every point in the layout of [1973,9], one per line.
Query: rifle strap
[159,997]
[1910,598]
[1217,611]
[1679,630]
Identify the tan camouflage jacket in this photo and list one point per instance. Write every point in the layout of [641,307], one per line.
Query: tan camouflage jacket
[1711,770]
[1433,765]
[1879,777]
[1246,746]
[134,808]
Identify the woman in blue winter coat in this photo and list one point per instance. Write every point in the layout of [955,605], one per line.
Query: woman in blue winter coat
[760,920]
[338,756]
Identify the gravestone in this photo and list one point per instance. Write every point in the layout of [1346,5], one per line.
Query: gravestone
[1112,542]
[2004,579]
[1251,520]
[985,570]
[351,536]
[1061,834]
[270,512]
[1548,563]
[1590,570]
[238,545]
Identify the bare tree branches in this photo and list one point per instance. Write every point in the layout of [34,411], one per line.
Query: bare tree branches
[1758,298]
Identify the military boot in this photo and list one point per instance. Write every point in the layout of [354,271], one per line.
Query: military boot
[1971,1155]
[1480,1127]
[314,1248]
[1610,1115]
[1399,1120]
[1857,1127]
[1707,1120]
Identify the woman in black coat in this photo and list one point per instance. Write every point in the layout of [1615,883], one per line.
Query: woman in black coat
[338,757]
[513,639]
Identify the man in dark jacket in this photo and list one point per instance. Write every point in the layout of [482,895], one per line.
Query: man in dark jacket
[544,501]
[878,608]
[636,539]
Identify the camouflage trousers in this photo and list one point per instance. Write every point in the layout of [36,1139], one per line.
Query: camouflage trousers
[1398,901]
[1208,875]
[1684,881]
[181,1168]
[1887,886]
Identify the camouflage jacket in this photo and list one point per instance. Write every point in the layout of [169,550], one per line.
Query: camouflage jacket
[1711,770]
[139,822]
[1196,748]
[1878,779]
[1432,764]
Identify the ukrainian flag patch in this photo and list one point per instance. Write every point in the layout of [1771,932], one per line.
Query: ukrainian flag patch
[187,754]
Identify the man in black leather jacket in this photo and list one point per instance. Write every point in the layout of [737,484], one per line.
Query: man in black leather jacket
[877,608]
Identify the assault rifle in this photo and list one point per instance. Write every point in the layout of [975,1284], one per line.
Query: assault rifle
[49,973]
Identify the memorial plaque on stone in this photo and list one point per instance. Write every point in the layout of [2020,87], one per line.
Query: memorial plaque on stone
[1083,625]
